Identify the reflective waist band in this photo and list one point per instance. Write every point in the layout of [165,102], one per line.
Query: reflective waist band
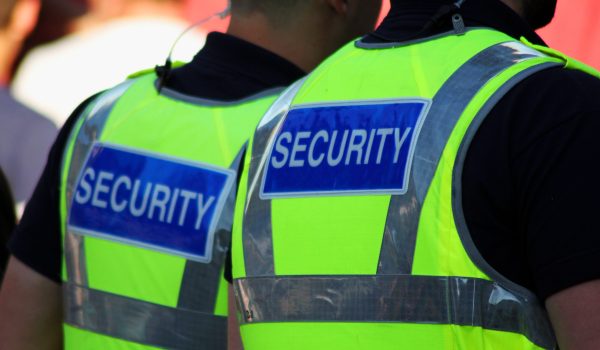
[143,322]
[391,298]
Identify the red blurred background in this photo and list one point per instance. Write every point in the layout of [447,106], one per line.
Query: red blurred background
[575,30]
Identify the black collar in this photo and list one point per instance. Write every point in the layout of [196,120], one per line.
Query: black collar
[248,59]
[229,68]
[407,18]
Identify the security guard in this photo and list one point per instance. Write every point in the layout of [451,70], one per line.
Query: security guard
[427,187]
[141,185]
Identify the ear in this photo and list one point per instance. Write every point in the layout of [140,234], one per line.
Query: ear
[24,17]
[339,6]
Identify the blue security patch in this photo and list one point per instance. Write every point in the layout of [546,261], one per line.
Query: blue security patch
[149,200]
[344,149]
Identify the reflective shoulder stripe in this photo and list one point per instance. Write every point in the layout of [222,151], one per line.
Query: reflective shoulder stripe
[391,298]
[449,103]
[257,232]
[200,285]
[94,120]
[142,322]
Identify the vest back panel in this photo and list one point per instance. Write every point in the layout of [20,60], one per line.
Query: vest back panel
[148,188]
[329,253]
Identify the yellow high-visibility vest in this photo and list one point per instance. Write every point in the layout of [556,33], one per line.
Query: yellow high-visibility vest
[349,232]
[147,196]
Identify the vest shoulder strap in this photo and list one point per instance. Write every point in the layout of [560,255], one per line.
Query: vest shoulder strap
[570,62]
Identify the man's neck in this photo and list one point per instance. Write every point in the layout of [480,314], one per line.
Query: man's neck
[257,30]
[516,6]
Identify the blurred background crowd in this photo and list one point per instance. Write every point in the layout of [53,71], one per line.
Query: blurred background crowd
[56,53]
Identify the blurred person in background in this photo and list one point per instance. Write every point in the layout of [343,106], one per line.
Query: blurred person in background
[25,136]
[140,184]
[115,38]
[56,19]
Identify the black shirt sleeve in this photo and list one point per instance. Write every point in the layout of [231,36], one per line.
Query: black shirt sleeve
[37,239]
[7,219]
[530,194]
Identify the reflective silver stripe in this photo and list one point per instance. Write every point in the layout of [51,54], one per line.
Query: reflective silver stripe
[143,322]
[257,230]
[387,298]
[95,119]
[452,99]
[397,252]
[400,235]
[200,284]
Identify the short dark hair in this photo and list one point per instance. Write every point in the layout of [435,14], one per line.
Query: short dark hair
[6,9]
[271,8]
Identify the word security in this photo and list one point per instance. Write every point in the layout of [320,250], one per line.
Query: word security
[344,149]
[150,200]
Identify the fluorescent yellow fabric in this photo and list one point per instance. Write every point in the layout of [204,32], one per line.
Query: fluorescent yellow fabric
[380,336]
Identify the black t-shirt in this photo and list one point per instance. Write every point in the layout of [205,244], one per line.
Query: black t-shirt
[226,69]
[529,182]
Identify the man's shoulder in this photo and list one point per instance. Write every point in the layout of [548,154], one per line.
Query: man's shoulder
[557,86]
[548,99]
